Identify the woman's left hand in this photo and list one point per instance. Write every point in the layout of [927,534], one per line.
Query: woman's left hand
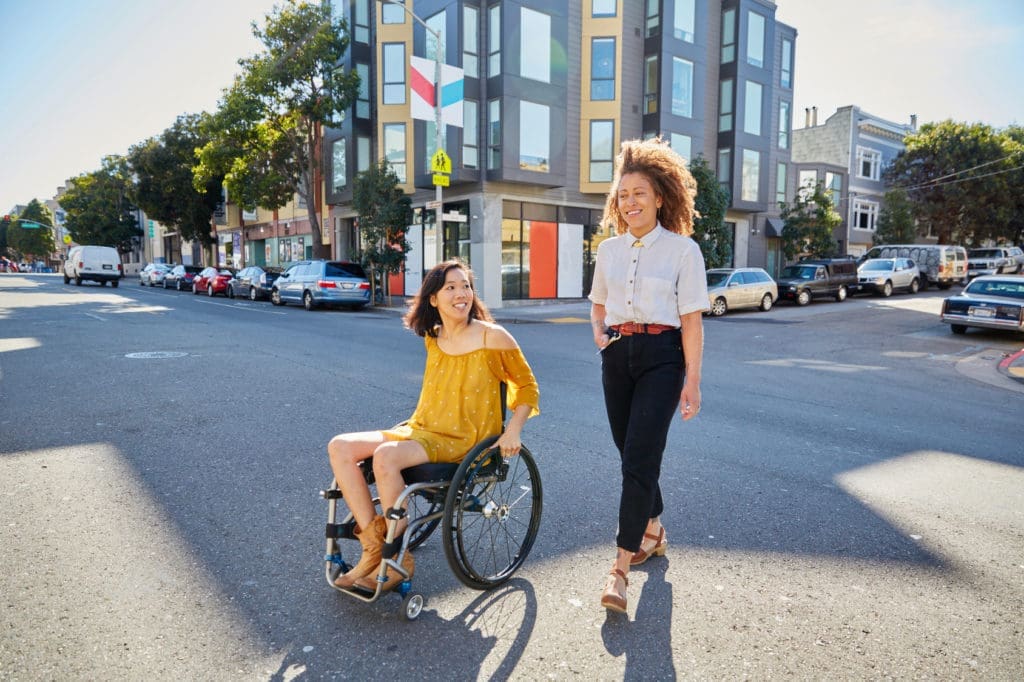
[508,444]
[689,401]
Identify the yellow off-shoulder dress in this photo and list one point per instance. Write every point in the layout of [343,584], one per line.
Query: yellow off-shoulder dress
[460,402]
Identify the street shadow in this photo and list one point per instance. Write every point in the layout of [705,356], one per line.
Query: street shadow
[646,642]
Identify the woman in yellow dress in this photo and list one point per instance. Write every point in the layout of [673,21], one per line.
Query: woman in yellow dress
[468,357]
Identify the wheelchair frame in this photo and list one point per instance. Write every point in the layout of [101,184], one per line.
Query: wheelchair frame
[485,494]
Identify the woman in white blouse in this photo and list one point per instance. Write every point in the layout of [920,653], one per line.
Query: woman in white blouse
[648,295]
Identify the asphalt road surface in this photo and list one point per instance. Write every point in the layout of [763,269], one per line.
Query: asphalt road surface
[848,505]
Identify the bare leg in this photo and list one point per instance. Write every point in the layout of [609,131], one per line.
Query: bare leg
[388,461]
[346,451]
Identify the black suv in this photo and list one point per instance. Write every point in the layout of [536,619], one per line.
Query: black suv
[817,277]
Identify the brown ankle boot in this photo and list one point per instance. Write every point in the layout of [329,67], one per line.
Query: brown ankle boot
[369,582]
[372,539]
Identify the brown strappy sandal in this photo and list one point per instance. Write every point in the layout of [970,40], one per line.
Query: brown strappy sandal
[615,602]
[660,545]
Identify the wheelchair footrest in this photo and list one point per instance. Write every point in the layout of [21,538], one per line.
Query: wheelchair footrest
[346,531]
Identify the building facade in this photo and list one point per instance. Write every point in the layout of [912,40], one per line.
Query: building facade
[848,153]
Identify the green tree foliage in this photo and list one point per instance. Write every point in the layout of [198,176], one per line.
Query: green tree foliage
[809,224]
[164,181]
[1015,185]
[958,177]
[896,223]
[5,223]
[98,207]
[384,214]
[269,122]
[711,203]
[35,242]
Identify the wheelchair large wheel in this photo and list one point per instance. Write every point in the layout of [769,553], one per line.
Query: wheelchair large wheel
[420,506]
[491,515]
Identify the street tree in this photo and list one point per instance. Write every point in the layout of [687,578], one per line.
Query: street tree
[164,186]
[269,125]
[31,235]
[384,213]
[957,177]
[1014,139]
[5,223]
[711,203]
[809,223]
[98,207]
[896,223]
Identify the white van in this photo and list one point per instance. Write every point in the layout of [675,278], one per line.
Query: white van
[940,264]
[97,263]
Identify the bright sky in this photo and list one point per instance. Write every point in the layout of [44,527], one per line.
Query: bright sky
[84,79]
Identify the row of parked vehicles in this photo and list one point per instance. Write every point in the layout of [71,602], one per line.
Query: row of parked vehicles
[313,283]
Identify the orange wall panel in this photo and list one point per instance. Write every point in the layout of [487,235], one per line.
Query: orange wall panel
[543,259]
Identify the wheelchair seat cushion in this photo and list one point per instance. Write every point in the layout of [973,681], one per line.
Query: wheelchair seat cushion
[430,472]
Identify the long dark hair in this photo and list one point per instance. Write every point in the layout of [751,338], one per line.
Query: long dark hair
[423,318]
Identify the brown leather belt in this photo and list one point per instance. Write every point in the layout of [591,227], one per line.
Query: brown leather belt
[630,328]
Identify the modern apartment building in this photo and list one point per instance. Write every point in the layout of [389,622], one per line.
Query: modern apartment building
[848,153]
[551,88]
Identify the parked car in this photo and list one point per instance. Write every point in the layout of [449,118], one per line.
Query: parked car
[884,275]
[940,264]
[319,282]
[990,261]
[831,277]
[180,277]
[990,302]
[254,282]
[158,273]
[1017,254]
[732,288]
[97,263]
[212,281]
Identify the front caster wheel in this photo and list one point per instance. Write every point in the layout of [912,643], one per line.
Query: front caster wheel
[412,606]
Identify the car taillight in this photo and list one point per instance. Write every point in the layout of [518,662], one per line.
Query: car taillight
[363,286]
[327,284]
[81,264]
[120,268]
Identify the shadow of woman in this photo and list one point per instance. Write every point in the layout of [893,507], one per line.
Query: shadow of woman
[647,642]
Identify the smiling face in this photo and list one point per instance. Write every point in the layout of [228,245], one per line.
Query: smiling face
[454,300]
[638,203]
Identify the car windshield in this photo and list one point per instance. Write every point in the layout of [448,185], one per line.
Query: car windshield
[345,270]
[996,287]
[880,264]
[798,272]
[985,253]
[717,278]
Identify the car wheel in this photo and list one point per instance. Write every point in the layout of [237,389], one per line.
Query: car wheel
[842,293]
[887,289]
[958,328]
[166,285]
[803,297]
[78,281]
[209,290]
[719,307]
[114,283]
[766,302]
[67,280]
[252,294]
[307,300]
[915,286]
[275,297]
[231,292]
[195,289]
[924,282]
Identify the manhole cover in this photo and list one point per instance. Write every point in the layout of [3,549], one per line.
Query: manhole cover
[155,355]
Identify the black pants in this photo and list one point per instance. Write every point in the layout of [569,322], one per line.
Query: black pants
[642,375]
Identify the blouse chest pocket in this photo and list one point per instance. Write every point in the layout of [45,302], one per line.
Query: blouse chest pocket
[658,293]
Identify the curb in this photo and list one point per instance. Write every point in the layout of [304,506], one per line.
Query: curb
[1012,365]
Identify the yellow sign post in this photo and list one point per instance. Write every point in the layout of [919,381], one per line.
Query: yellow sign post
[440,179]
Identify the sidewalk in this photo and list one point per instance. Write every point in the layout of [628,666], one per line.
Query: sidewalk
[1013,365]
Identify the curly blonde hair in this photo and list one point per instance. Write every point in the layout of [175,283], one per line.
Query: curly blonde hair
[666,171]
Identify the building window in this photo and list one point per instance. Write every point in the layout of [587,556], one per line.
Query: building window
[394,148]
[602,69]
[535,46]
[534,136]
[338,165]
[750,188]
[786,79]
[728,36]
[784,125]
[725,104]
[390,13]
[361,20]
[869,163]
[682,87]
[470,47]
[755,39]
[681,144]
[651,84]
[394,73]
[602,8]
[602,150]
[725,167]
[807,181]
[470,135]
[494,134]
[494,40]
[752,108]
[438,24]
[834,186]
[362,153]
[363,97]
[780,184]
[865,214]
[684,20]
[653,18]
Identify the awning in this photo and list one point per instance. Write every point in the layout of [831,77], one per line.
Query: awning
[774,227]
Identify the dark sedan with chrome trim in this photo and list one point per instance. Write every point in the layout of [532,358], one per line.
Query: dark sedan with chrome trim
[989,302]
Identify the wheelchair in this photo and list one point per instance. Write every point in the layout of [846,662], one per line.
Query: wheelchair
[488,507]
